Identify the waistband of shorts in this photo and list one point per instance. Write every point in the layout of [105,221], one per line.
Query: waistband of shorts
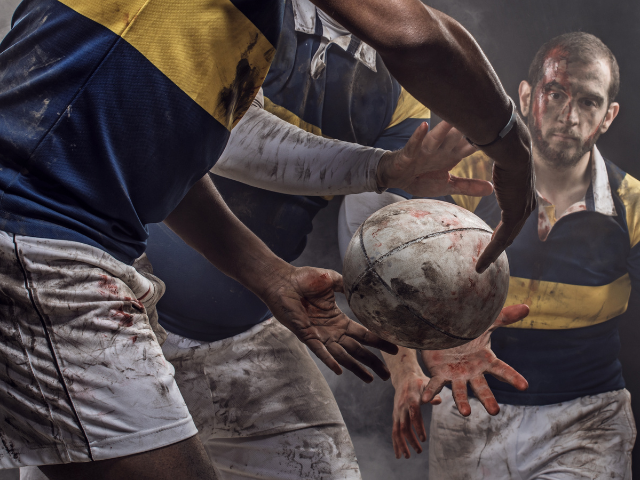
[178,342]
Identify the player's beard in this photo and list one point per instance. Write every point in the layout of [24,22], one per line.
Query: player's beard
[561,159]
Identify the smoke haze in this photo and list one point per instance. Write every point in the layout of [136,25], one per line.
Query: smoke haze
[510,33]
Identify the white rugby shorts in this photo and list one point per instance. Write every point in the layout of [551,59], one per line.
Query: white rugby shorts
[262,407]
[82,376]
[587,438]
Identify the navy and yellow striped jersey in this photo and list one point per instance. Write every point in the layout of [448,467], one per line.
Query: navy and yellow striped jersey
[349,101]
[111,110]
[576,273]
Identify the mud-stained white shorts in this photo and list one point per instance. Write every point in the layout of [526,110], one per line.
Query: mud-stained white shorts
[82,376]
[589,438]
[262,407]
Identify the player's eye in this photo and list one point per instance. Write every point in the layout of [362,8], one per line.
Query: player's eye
[555,95]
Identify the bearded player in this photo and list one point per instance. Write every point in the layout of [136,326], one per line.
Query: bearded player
[574,264]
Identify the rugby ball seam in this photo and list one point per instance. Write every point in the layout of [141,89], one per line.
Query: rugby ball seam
[371,268]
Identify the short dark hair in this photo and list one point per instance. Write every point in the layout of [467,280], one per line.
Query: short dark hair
[578,47]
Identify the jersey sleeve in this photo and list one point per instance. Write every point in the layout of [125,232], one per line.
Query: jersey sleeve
[407,116]
[629,193]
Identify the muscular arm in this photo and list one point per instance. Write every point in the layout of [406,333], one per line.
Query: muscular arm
[302,299]
[442,66]
[433,57]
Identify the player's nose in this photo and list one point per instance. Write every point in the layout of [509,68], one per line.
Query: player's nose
[569,114]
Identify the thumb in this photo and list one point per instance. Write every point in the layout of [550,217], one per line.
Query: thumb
[511,314]
[338,282]
[431,391]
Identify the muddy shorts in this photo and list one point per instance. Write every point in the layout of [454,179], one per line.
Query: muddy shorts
[587,438]
[262,407]
[82,376]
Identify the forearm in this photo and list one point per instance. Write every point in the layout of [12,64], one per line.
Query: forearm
[435,59]
[266,152]
[403,364]
[205,223]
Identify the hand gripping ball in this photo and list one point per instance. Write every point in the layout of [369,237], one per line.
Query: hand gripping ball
[409,275]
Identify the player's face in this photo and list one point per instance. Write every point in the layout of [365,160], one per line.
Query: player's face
[569,108]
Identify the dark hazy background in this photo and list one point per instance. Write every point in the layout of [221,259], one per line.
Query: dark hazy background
[510,32]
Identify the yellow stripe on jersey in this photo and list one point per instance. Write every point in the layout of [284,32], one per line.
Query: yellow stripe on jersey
[477,165]
[629,192]
[560,306]
[290,117]
[408,107]
[196,44]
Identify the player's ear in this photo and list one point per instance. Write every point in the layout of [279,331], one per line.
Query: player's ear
[612,112]
[524,92]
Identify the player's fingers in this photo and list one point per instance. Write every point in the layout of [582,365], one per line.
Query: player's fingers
[436,137]
[433,388]
[460,396]
[437,400]
[483,393]
[336,278]
[464,149]
[365,356]
[469,186]
[344,359]
[413,146]
[500,240]
[400,446]
[410,435]
[397,448]
[319,350]
[415,414]
[511,314]
[365,337]
[508,374]
[452,140]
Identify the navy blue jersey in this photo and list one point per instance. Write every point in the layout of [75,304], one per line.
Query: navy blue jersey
[349,101]
[112,109]
[576,278]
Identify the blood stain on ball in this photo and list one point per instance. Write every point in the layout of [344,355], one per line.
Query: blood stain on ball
[415,284]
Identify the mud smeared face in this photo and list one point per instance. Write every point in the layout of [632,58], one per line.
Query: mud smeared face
[568,107]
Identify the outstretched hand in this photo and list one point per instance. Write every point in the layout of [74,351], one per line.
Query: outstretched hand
[303,300]
[469,362]
[422,167]
[459,366]
[408,424]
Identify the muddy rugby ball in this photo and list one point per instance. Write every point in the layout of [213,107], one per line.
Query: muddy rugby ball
[409,275]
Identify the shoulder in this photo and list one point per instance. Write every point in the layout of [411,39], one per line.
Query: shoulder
[477,165]
[627,189]
[408,107]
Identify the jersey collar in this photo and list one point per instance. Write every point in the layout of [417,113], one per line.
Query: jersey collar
[597,199]
[305,18]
